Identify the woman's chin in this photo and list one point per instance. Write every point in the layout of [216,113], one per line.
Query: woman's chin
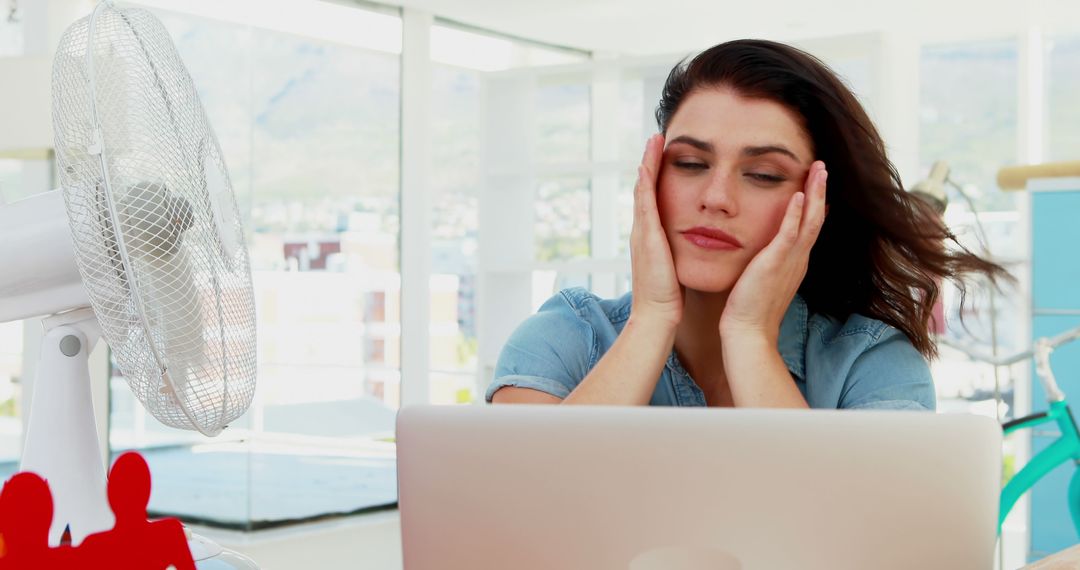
[706,281]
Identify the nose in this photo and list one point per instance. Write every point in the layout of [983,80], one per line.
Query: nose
[720,195]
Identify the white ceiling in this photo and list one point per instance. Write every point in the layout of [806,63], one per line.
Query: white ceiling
[646,27]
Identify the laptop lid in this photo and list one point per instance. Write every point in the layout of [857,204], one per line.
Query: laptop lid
[649,488]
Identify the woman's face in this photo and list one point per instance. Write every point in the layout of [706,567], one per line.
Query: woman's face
[730,166]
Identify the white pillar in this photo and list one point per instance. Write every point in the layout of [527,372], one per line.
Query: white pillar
[416,72]
[652,85]
[25,105]
[505,251]
[1031,97]
[604,190]
[1030,133]
[895,103]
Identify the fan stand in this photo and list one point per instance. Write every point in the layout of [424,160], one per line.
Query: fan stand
[62,443]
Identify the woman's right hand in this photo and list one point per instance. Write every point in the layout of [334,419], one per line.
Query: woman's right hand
[657,295]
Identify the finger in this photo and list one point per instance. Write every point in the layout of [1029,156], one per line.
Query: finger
[644,200]
[788,234]
[654,152]
[814,215]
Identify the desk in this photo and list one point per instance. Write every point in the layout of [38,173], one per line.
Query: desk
[1068,559]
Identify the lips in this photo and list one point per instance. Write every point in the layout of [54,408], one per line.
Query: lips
[711,238]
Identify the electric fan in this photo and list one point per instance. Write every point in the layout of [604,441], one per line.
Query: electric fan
[142,245]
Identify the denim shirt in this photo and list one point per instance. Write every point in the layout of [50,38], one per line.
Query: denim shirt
[860,363]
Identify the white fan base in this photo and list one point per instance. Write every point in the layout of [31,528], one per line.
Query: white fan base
[62,444]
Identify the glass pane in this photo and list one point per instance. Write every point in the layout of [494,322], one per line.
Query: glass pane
[633,130]
[455,184]
[562,219]
[24,178]
[857,72]
[310,132]
[463,59]
[195,477]
[18,179]
[639,94]
[968,118]
[11,358]
[624,206]
[1063,99]
[968,107]
[470,49]
[332,209]
[11,37]
[562,122]
[11,182]
[547,282]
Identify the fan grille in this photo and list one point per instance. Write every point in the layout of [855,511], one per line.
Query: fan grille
[156,228]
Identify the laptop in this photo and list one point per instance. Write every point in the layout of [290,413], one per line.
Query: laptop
[523,487]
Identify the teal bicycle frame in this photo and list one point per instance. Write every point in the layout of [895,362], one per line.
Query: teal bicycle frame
[1066,447]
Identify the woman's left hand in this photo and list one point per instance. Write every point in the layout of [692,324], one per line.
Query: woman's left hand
[762,294]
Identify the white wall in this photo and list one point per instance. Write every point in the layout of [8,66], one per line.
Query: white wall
[25,103]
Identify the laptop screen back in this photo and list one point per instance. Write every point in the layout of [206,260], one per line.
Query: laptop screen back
[566,487]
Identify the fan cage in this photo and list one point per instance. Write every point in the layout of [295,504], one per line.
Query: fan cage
[156,228]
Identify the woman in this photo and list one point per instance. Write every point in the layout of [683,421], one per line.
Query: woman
[776,259]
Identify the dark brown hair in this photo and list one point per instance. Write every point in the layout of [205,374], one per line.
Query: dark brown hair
[882,252]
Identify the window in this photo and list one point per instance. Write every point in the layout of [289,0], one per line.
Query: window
[968,117]
[968,112]
[454,181]
[562,120]
[11,343]
[465,61]
[1063,98]
[562,218]
[309,122]
[562,135]
[309,125]
[11,432]
[639,94]
[11,37]
[19,178]
[457,46]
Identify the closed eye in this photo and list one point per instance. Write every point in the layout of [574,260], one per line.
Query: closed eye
[687,165]
[762,177]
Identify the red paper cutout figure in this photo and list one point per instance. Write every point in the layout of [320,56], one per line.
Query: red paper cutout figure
[134,541]
[26,511]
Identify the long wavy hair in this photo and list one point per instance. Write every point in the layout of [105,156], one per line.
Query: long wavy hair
[882,252]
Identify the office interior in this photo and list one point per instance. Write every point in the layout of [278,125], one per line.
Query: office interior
[415,177]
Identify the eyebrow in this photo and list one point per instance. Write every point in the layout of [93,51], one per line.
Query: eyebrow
[747,151]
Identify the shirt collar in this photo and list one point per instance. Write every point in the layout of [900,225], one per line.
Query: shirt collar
[793,334]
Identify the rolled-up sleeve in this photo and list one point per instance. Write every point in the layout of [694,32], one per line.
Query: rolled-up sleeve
[550,351]
[890,375]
